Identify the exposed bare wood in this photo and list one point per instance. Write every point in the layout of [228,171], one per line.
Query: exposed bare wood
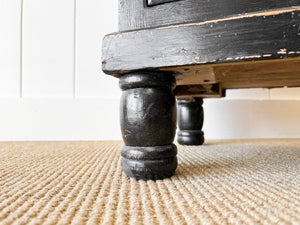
[267,73]
[205,90]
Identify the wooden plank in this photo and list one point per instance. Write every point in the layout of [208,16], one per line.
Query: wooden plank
[10,48]
[252,37]
[277,73]
[255,74]
[259,74]
[134,14]
[48,48]
[204,91]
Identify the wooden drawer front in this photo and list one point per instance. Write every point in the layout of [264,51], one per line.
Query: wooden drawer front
[137,14]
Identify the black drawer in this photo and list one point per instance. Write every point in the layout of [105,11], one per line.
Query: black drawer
[157,2]
[137,14]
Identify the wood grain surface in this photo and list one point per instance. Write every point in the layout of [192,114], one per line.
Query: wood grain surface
[135,14]
[252,37]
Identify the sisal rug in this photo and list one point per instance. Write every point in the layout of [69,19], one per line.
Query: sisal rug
[232,182]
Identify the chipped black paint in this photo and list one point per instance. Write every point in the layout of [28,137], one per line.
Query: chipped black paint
[135,14]
[158,2]
[251,38]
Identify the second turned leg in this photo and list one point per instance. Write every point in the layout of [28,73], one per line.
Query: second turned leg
[190,121]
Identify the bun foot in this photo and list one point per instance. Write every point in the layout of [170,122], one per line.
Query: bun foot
[190,121]
[148,125]
[190,137]
[154,163]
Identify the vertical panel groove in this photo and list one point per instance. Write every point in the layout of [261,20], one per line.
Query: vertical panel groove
[21,51]
[74,54]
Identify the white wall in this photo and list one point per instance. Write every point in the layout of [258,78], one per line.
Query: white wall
[52,87]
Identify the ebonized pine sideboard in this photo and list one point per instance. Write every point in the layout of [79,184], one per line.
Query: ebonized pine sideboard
[190,50]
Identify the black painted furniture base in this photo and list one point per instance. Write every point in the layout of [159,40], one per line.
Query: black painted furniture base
[190,121]
[210,46]
[148,124]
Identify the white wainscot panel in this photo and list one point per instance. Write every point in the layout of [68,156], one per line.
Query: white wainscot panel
[10,37]
[48,48]
[94,19]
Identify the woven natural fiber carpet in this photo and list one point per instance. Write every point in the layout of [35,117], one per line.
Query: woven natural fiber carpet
[242,182]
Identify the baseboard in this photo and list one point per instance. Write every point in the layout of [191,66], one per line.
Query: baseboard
[59,119]
[98,119]
[247,119]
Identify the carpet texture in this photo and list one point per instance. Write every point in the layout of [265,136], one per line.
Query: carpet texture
[232,182]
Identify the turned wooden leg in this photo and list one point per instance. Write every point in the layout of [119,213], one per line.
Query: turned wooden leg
[190,121]
[148,124]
